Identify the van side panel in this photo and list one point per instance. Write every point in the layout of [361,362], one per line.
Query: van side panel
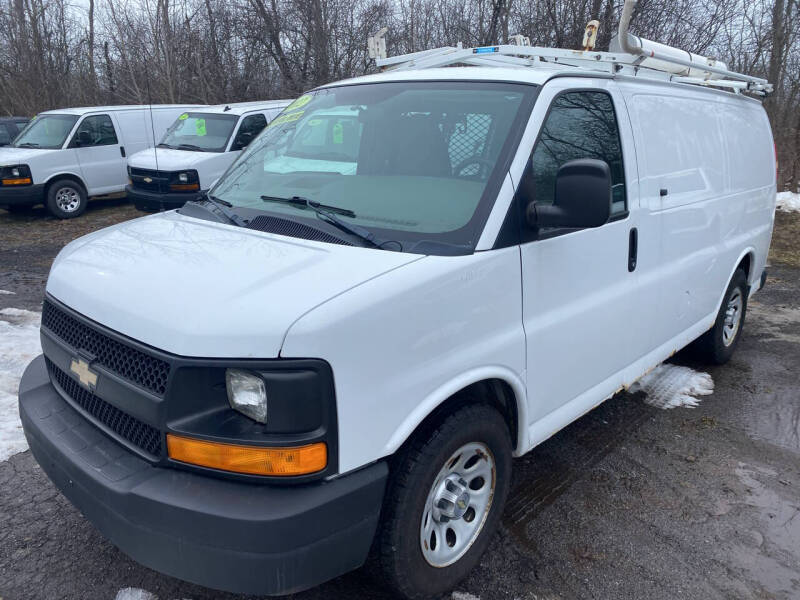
[402,343]
[702,218]
[135,130]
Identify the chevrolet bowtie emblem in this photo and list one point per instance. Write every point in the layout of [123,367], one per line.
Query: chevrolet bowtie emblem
[86,376]
[148,180]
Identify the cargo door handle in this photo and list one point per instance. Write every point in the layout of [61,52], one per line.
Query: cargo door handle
[633,249]
[122,151]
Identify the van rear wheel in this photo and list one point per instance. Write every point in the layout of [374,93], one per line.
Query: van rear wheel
[444,502]
[718,344]
[66,199]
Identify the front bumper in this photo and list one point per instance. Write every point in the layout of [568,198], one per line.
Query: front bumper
[223,534]
[157,201]
[22,195]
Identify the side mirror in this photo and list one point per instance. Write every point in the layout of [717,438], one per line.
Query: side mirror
[84,138]
[582,197]
[243,140]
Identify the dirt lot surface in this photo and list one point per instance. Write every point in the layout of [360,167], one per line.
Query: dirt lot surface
[628,502]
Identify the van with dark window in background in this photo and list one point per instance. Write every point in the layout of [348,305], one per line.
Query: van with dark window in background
[406,280]
[194,152]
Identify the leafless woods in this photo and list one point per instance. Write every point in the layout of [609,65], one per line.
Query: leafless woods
[56,53]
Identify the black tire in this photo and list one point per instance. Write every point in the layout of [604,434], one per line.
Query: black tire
[717,346]
[400,555]
[62,195]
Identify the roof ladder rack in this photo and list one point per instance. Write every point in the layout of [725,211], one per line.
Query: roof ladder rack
[638,57]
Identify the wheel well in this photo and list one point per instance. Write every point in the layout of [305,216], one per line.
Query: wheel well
[745,264]
[495,392]
[56,178]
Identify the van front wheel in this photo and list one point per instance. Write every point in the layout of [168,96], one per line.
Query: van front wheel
[717,345]
[66,199]
[444,502]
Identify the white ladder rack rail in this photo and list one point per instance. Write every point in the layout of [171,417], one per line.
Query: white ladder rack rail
[511,55]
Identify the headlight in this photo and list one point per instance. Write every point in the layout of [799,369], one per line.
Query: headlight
[247,394]
[18,175]
[183,178]
[184,181]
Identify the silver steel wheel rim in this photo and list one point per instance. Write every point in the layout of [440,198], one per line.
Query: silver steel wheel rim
[457,505]
[733,317]
[68,199]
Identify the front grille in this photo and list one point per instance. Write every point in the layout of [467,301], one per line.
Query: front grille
[127,427]
[293,229]
[159,180]
[146,371]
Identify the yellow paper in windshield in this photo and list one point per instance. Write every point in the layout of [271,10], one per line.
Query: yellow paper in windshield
[286,118]
[200,127]
[299,103]
[338,133]
[183,117]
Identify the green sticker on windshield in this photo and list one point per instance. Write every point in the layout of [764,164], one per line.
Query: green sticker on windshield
[338,133]
[286,119]
[200,127]
[183,117]
[300,102]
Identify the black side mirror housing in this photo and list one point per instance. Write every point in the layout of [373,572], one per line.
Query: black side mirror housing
[242,140]
[582,197]
[84,138]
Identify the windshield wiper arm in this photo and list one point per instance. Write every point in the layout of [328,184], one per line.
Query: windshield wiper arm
[329,214]
[190,147]
[163,145]
[301,202]
[223,206]
[27,145]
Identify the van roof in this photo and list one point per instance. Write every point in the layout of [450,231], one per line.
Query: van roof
[82,110]
[239,108]
[535,76]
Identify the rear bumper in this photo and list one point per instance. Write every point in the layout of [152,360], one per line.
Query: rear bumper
[157,201]
[22,195]
[223,534]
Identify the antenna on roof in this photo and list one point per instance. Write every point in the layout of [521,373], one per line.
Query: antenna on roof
[226,109]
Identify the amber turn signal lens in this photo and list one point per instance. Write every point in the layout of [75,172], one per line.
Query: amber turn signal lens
[17,181]
[184,187]
[254,460]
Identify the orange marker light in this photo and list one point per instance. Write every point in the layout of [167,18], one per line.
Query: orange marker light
[254,460]
[184,187]
[17,181]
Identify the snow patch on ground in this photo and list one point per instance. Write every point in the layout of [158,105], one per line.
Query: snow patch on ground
[788,201]
[463,596]
[670,386]
[6,293]
[19,345]
[135,594]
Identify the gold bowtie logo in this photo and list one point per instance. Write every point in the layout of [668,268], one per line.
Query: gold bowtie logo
[86,376]
[148,180]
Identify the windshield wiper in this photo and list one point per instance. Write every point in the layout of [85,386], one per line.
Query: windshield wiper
[27,145]
[163,145]
[223,207]
[301,202]
[329,215]
[191,147]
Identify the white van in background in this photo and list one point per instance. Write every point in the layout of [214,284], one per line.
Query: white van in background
[65,156]
[194,152]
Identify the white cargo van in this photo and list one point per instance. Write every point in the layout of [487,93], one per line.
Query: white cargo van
[343,359]
[65,156]
[194,152]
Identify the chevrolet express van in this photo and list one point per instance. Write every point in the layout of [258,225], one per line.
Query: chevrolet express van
[404,282]
[64,157]
[194,152]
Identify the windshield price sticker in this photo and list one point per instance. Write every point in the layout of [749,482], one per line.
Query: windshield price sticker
[290,118]
[183,117]
[300,102]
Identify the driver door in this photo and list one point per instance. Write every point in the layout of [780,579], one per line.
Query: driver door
[100,155]
[579,287]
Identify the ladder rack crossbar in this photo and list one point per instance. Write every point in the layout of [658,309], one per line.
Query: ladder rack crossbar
[613,62]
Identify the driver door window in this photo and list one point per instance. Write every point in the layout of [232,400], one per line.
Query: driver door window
[96,130]
[251,126]
[580,124]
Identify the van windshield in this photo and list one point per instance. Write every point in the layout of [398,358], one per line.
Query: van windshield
[200,132]
[414,161]
[46,131]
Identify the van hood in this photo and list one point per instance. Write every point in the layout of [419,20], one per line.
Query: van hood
[10,157]
[168,159]
[203,289]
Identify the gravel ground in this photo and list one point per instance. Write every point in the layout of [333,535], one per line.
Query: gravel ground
[627,502]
